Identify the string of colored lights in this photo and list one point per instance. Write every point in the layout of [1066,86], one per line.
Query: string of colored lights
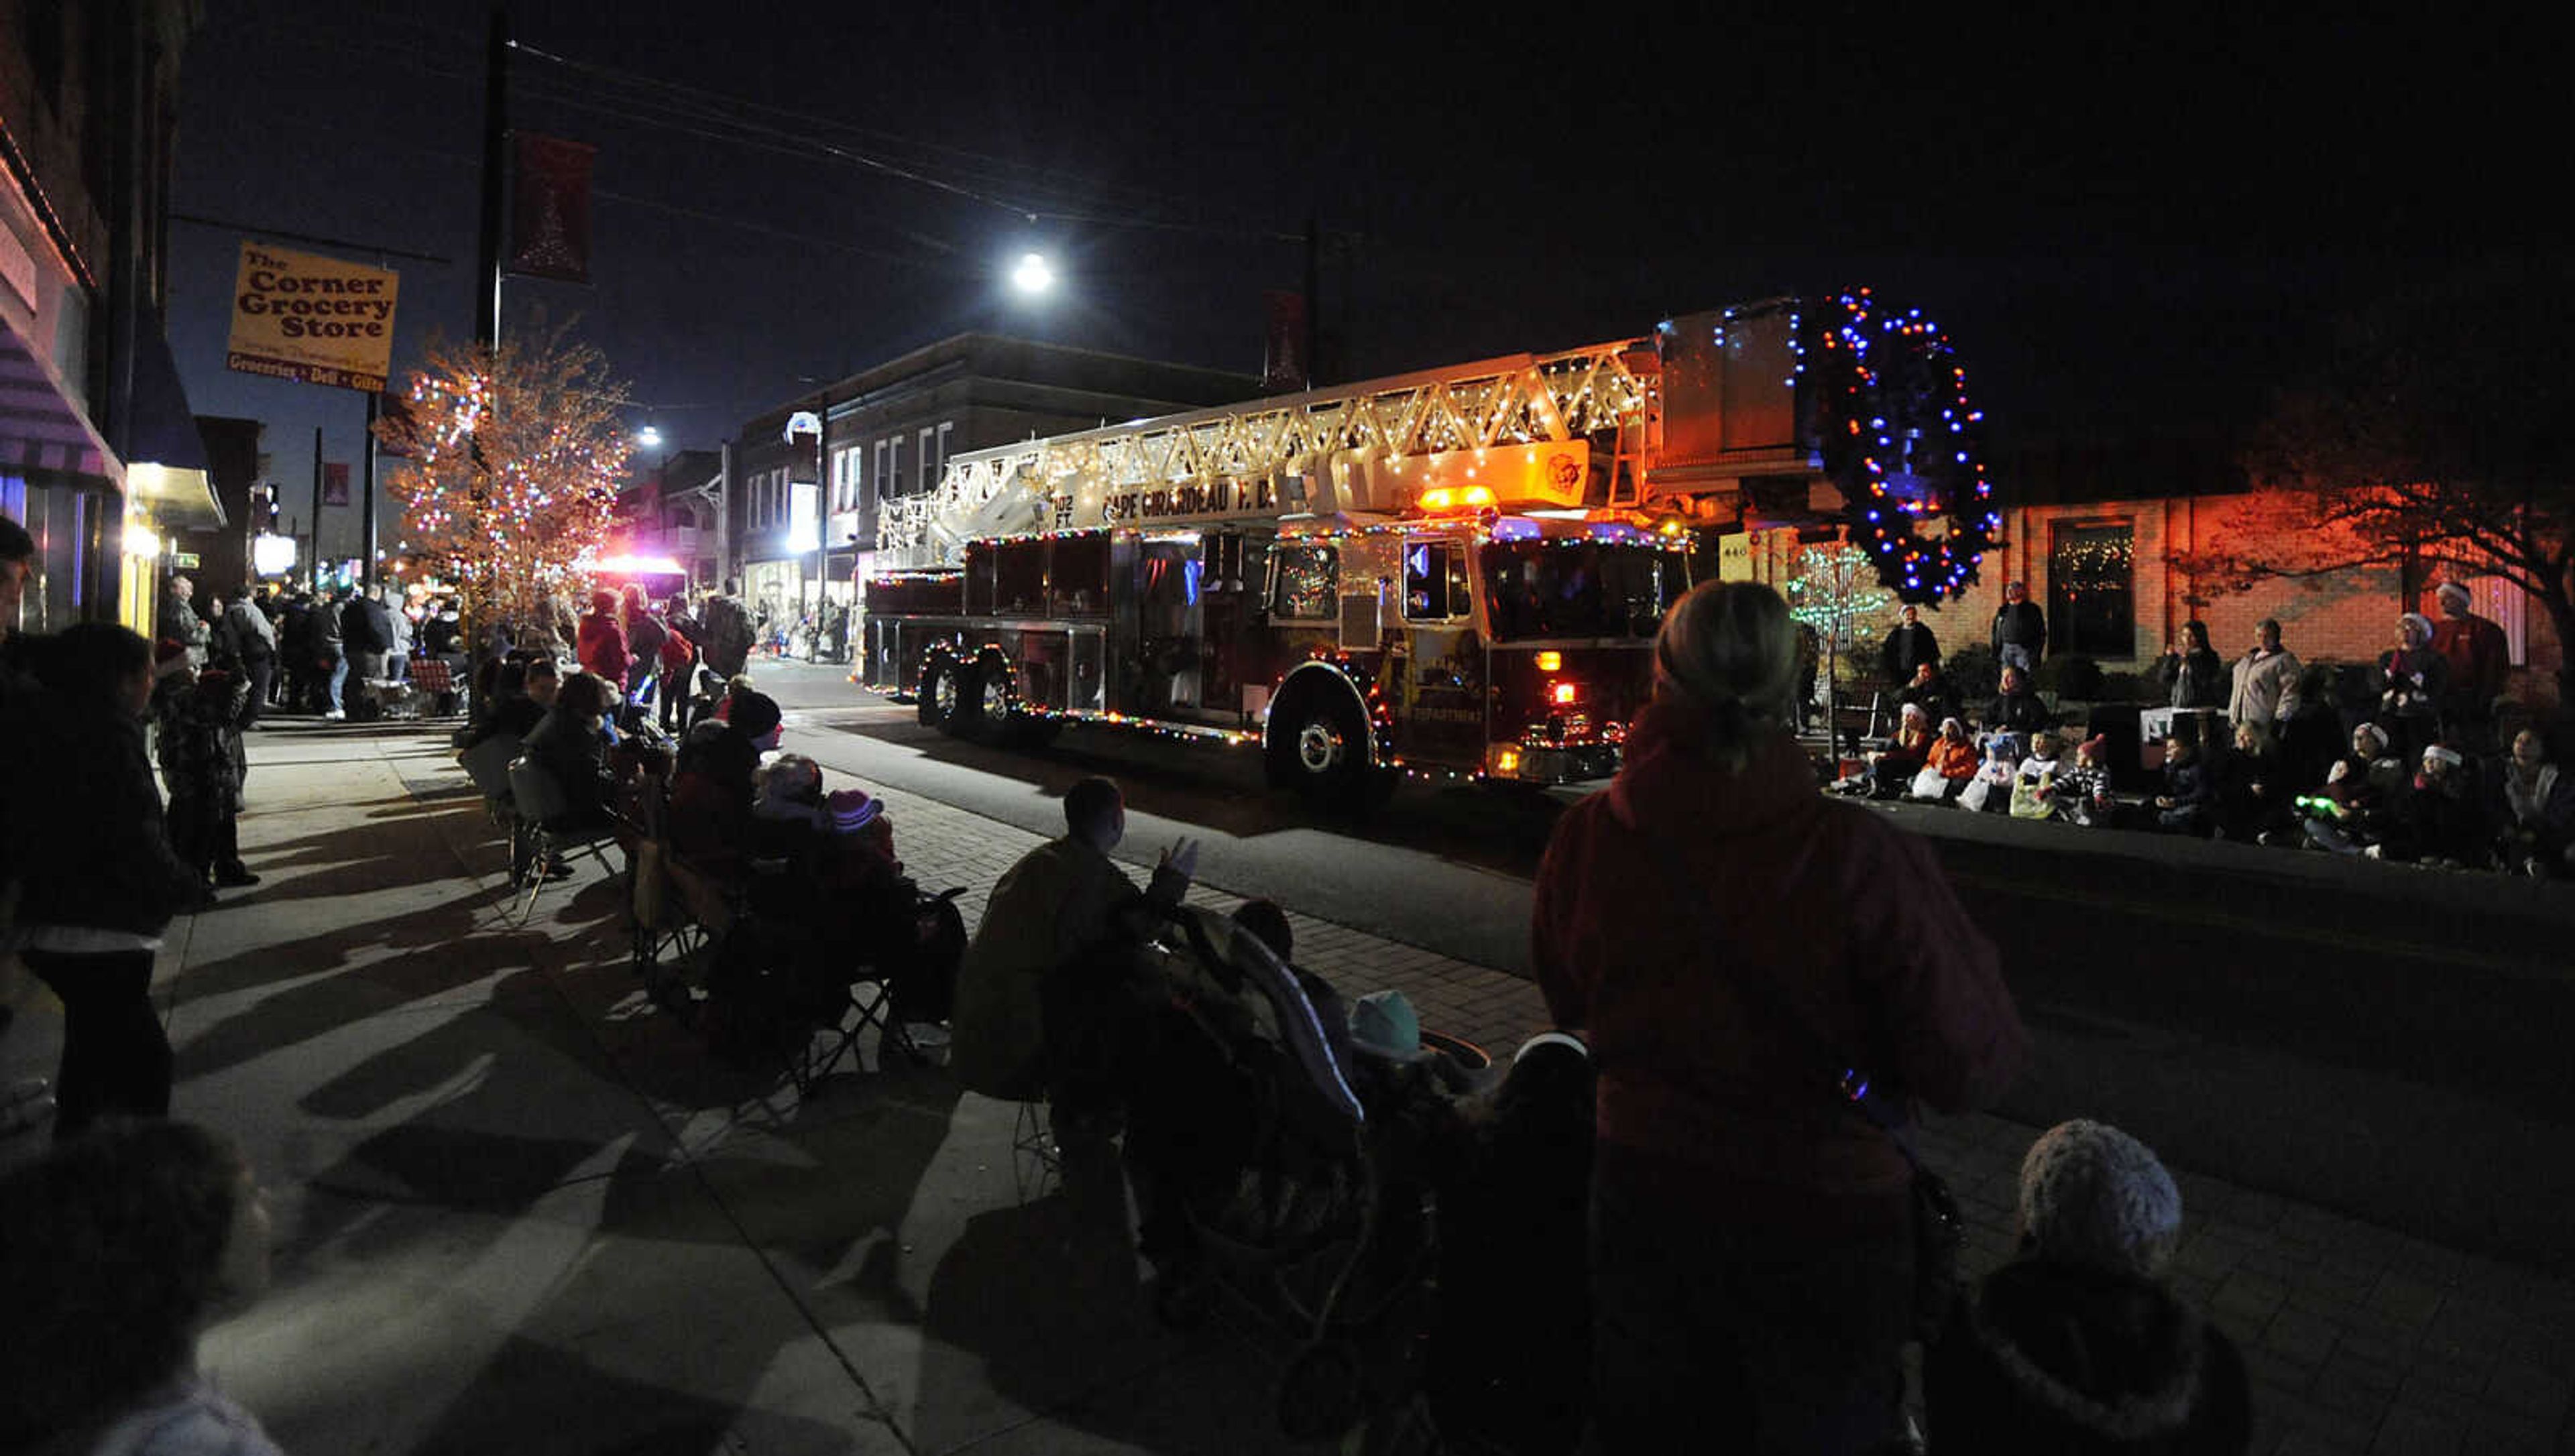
[1899,439]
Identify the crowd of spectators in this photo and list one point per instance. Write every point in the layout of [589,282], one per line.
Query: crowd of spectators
[2414,759]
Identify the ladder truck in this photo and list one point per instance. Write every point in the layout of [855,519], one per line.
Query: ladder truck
[1457,573]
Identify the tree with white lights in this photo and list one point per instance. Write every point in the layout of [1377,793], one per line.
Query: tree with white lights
[514,455]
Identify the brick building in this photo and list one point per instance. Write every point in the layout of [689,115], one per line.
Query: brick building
[2093,532]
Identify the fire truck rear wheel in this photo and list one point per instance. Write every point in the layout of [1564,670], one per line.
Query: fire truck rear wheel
[1319,746]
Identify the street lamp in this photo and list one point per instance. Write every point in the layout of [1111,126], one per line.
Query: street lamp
[1033,275]
[650,437]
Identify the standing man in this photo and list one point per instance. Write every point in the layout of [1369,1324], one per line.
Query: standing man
[331,653]
[181,623]
[2020,630]
[245,632]
[1908,647]
[366,638]
[2266,682]
[729,633]
[2478,656]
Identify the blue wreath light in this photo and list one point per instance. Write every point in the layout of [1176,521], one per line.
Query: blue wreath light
[1892,475]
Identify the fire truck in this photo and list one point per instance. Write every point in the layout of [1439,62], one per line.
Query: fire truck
[1457,573]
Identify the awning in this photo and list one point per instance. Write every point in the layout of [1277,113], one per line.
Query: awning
[40,427]
[165,465]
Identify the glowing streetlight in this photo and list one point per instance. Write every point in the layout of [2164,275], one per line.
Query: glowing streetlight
[1033,275]
[650,437]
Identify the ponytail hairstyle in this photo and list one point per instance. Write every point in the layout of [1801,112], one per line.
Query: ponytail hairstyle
[1728,649]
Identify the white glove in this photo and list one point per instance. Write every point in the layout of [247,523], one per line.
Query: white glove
[2341,771]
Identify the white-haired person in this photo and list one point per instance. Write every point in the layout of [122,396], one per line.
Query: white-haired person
[2413,681]
[2077,1345]
[1724,935]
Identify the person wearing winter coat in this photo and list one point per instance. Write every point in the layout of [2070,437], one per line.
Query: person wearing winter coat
[2015,709]
[602,642]
[2441,821]
[1723,933]
[1892,766]
[2188,805]
[645,634]
[197,735]
[1947,767]
[92,905]
[2477,658]
[1928,689]
[1908,645]
[181,622]
[2413,682]
[2191,669]
[2534,810]
[2264,684]
[331,654]
[2351,813]
[2078,1346]
[1060,902]
[250,638]
[2253,789]
[728,639]
[2084,788]
[570,743]
[2020,630]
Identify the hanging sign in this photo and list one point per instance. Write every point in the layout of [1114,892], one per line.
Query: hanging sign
[312,319]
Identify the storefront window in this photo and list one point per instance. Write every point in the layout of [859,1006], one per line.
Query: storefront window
[2091,589]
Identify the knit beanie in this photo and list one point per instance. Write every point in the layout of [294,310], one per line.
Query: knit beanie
[2091,1194]
[755,715]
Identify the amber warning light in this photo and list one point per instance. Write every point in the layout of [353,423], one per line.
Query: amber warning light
[1560,692]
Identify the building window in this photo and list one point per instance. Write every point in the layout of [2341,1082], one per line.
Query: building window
[2092,588]
[946,431]
[894,461]
[885,481]
[929,444]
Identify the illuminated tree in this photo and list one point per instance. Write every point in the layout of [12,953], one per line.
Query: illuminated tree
[514,459]
[2435,428]
[1835,592]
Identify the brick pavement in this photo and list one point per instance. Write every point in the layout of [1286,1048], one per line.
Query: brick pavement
[2358,1339]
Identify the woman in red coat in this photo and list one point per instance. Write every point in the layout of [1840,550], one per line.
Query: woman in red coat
[601,644]
[1731,940]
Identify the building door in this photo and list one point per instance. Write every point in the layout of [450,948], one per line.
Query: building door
[2092,588]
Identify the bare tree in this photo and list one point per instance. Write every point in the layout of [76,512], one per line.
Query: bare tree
[2435,427]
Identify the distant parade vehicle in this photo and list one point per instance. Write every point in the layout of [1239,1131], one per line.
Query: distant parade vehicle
[1457,573]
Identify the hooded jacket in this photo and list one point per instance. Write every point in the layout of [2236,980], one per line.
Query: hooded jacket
[2057,1357]
[1656,902]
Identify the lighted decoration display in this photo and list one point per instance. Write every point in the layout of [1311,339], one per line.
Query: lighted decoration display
[1834,592]
[513,457]
[1889,408]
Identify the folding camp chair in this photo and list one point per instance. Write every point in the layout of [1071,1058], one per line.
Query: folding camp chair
[542,809]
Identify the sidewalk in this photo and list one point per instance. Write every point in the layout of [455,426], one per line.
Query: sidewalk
[520,1210]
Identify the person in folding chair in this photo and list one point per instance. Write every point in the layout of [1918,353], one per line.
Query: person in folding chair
[571,746]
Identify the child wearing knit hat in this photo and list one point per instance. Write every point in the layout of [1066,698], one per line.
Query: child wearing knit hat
[2077,1345]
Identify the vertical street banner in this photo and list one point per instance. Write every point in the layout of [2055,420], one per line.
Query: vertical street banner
[311,319]
[1283,359]
[335,482]
[550,209]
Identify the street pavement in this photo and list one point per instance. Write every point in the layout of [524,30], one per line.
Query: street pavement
[517,1209]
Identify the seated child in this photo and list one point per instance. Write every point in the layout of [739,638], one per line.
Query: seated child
[2083,791]
[2035,784]
[2352,814]
[1990,791]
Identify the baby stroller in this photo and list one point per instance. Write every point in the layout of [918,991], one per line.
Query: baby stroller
[1263,1176]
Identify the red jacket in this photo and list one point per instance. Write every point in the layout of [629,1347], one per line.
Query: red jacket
[602,647]
[1847,918]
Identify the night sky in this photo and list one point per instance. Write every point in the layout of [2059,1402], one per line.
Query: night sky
[2128,220]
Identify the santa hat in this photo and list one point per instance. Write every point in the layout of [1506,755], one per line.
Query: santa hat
[168,656]
[2452,588]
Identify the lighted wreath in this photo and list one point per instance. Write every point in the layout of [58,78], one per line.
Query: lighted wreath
[1886,404]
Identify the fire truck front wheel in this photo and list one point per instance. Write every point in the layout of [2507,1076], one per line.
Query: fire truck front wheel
[1318,744]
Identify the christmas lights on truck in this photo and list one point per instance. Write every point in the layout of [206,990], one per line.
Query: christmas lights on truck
[1454,573]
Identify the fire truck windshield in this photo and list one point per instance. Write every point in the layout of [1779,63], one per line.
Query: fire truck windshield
[1542,589]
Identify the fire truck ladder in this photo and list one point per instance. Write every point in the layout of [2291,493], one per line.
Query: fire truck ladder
[1516,400]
